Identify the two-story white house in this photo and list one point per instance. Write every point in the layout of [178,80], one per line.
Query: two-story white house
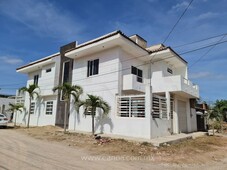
[147,87]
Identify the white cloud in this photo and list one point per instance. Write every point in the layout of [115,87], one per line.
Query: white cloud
[43,17]
[11,60]
[207,15]
[180,6]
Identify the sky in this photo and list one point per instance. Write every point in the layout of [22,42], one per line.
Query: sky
[32,29]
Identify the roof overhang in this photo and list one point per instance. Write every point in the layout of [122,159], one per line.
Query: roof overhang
[168,55]
[36,65]
[115,40]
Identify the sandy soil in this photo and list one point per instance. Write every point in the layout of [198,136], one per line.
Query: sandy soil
[48,148]
[195,151]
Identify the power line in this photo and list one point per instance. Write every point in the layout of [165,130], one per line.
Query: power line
[211,48]
[197,41]
[164,58]
[177,21]
[204,47]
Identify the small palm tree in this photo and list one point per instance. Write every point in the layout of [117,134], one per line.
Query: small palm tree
[92,103]
[67,90]
[14,108]
[31,91]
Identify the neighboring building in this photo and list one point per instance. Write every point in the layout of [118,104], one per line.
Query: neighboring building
[201,116]
[4,104]
[147,87]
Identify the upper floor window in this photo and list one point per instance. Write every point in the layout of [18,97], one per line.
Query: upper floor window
[66,72]
[138,73]
[36,79]
[169,70]
[92,67]
[48,70]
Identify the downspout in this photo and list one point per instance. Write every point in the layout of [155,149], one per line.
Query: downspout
[151,97]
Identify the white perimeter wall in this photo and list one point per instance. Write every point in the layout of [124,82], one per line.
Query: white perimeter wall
[39,118]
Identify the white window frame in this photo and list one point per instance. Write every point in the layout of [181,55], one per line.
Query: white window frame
[49,107]
[36,79]
[131,106]
[159,106]
[90,71]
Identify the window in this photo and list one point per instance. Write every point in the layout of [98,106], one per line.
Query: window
[48,70]
[170,70]
[130,106]
[88,111]
[49,108]
[171,108]
[92,67]
[36,79]
[159,107]
[66,72]
[32,108]
[138,73]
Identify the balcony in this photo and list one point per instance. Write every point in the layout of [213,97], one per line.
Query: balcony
[176,83]
[133,83]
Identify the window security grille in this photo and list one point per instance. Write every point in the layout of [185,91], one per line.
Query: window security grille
[32,108]
[131,106]
[159,107]
[49,108]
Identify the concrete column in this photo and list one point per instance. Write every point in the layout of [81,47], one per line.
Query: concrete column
[189,117]
[175,117]
[120,76]
[148,96]
[168,104]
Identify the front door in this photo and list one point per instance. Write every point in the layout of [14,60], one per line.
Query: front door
[182,116]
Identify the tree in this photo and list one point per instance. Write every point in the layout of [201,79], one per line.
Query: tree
[14,108]
[220,106]
[68,90]
[217,114]
[31,92]
[91,104]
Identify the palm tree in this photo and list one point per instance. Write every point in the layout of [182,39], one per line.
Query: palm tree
[92,103]
[68,90]
[31,91]
[14,108]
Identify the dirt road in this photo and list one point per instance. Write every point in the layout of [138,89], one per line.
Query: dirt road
[21,152]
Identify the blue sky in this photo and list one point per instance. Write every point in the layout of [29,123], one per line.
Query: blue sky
[32,29]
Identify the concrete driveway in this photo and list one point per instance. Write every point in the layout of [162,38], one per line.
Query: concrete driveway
[21,152]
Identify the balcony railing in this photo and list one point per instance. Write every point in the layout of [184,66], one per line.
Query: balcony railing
[174,84]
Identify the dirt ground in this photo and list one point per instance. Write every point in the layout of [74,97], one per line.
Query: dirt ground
[199,151]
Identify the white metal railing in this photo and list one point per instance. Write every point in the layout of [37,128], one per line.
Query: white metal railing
[131,106]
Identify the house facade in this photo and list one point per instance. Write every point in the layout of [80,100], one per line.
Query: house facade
[5,100]
[147,87]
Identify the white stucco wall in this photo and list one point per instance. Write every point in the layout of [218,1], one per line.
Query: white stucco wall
[46,82]
[4,104]
[39,118]
[160,127]
[107,86]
